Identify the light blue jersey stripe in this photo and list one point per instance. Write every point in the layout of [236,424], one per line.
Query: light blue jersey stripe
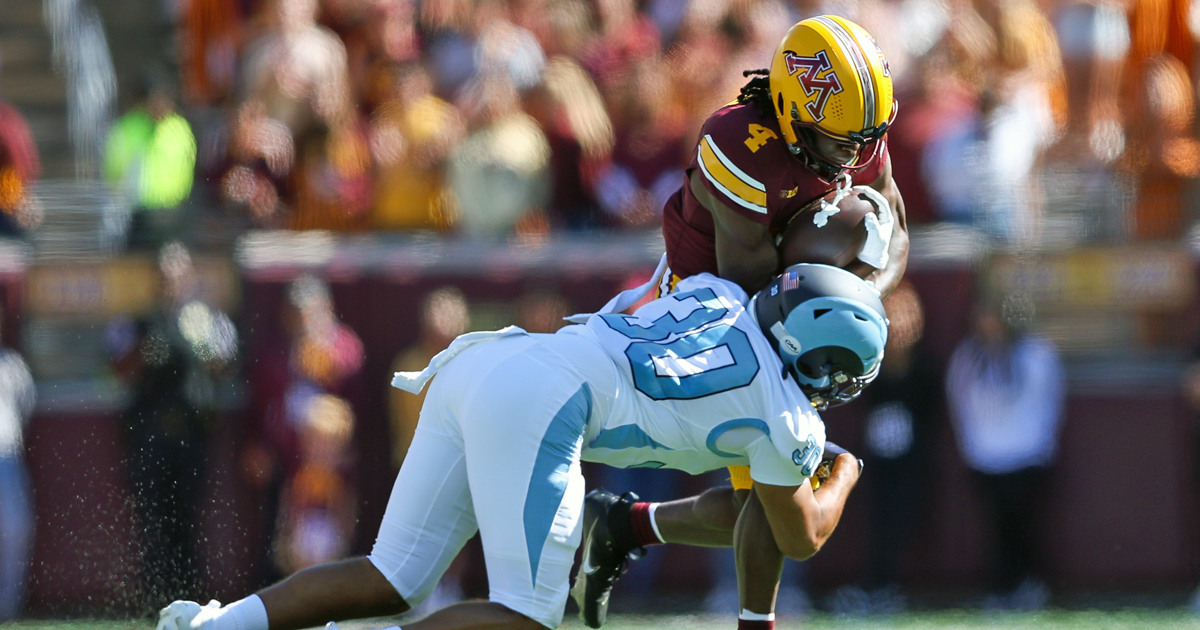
[551,471]
[730,425]
[623,437]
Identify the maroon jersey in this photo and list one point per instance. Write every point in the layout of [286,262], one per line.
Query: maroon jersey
[743,161]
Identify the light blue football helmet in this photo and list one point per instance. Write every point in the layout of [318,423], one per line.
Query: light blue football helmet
[829,328]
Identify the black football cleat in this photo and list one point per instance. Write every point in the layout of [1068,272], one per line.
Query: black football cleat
[608,546]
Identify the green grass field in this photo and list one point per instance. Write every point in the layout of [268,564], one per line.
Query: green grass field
[1133,619]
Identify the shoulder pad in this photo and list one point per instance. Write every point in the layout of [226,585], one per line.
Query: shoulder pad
[728,156]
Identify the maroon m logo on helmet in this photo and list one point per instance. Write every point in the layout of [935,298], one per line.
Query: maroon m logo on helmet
[809,71]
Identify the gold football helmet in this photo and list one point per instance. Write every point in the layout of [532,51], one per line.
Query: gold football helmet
[828,76]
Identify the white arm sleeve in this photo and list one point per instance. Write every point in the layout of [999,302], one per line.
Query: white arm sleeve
[771,466]
[874,251]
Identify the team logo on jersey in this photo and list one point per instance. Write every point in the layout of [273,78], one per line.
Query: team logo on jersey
[817,77]
[809,458]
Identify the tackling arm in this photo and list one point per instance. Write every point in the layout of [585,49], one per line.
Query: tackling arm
[746,251]
[802,519]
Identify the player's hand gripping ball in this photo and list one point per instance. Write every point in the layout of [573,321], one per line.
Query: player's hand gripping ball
[817,234]
[825,468]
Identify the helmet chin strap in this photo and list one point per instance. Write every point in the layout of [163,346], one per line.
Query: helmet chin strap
[823,169]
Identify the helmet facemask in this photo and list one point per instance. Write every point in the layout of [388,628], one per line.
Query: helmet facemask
[829,383]
[868,142]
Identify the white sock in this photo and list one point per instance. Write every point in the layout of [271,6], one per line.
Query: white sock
[753,616]
[654,522]
[244,614]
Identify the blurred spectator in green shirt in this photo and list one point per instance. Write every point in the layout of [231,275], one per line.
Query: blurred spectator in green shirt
[151,157]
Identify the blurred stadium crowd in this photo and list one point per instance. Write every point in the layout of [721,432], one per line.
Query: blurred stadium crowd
[1042,125]
[498,117]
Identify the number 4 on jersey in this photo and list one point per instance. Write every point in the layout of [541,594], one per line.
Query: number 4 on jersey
[758,137]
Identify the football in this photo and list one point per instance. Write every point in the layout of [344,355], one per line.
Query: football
[836,242]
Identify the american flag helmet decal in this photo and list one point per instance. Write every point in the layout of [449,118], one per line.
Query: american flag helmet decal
[789,281]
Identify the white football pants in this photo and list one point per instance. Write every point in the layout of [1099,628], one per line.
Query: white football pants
[497,450]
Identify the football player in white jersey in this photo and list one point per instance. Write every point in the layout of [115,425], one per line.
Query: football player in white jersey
[697,380]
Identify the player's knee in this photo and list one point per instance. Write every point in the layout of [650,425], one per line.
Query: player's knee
[740,496]
[389,602]
[716,509]
[375,591]
[519,621]
[525,623]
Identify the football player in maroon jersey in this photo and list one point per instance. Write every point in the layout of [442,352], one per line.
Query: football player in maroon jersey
[814,123]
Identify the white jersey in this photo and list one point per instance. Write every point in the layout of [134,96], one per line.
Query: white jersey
[687,382]
[701,389]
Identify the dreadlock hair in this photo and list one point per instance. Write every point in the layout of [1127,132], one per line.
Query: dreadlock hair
[758,91]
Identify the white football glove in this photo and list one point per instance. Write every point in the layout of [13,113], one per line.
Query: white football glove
[183,615]
[880,225]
